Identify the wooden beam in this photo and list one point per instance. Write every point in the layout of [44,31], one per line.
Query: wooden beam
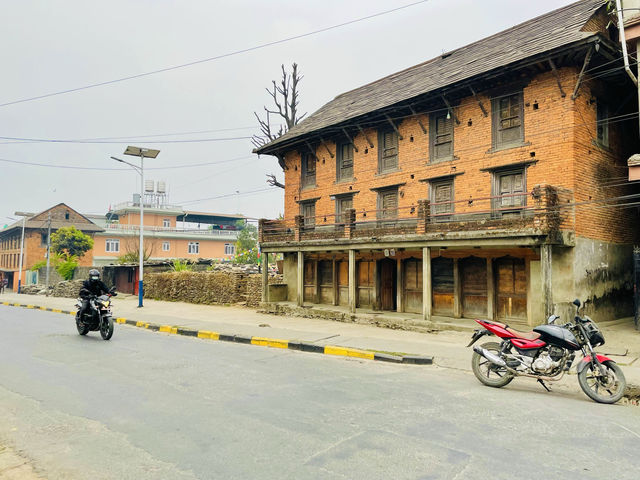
[555,72]
[394,127]
[484,110]
[587,58]
[399,285]
[451,112]
[344,130]
[491,290]
[324,144]
[265,277]
[365,136]
[457,291]
[424,130]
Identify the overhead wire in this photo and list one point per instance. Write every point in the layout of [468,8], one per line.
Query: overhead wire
[217,57]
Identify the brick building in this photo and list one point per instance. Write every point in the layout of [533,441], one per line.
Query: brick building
[35,241]
[476,184]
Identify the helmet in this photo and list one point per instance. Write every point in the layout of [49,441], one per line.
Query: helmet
[94,275]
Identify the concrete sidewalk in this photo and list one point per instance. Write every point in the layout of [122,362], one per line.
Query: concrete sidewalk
[447,347]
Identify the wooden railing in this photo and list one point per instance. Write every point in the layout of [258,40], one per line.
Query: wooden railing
[545,208]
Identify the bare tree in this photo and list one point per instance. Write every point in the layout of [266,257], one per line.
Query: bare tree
[285,98]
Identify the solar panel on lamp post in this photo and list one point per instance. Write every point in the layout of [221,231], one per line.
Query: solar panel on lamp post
[142,153]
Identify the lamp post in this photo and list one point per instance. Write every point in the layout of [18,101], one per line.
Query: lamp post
[24,216]
[142,153]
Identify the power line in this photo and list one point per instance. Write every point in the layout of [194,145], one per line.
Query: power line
[73,167]
[51,140]
[134,137]
[218,57]
[226,195]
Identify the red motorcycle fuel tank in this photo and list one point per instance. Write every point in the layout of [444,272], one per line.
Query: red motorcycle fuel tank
[558,336]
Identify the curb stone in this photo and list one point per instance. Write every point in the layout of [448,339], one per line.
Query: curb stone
[261,341]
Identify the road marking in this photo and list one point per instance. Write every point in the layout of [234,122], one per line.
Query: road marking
[347,352]
[121,320]
[270,342]
[142,324]
[208,335]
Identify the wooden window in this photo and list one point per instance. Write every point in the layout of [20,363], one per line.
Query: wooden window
[509,187]
[441,196]
[507,115]
[308,212]
[602,125]
[388,203]
[344,167]
[387,151]
[343,203]
[308,170]
[441,137]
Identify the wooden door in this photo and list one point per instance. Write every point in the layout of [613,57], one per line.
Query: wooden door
[310,281]
[412,282]
[365,283]
[343,282]
[473,275]
[325,281]
[388,285]
[442,287]
[511,288]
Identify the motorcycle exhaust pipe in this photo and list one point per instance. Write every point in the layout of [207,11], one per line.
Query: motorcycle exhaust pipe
[493,358]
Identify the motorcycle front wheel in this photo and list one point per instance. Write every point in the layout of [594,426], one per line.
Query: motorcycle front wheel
[488,373]
[106,328]
[82,328]
[607,389]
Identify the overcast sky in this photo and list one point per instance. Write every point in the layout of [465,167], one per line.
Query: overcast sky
[53,46]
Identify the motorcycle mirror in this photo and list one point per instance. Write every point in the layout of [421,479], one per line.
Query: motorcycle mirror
[576,302]
[552,319]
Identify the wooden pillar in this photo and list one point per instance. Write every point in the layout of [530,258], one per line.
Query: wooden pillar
[399,285]
[352,281]
[426,283]
[316,281]
[265,277]
[491,290]
[335,280]
[457,290]
[545,271]
[300,279]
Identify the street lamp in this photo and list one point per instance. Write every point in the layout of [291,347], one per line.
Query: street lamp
[142,153]
[24,216]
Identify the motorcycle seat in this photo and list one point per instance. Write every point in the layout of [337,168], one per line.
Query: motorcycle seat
[530,335]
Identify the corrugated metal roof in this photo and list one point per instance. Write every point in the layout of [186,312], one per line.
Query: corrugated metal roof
[547,32]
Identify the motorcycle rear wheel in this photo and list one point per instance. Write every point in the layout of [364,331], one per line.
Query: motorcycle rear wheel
[488,373]
[608,390]
[106,328]
[82,328]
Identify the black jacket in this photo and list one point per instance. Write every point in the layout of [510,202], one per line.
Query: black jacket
[93,288]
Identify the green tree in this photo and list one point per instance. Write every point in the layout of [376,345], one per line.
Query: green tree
[247,243]
[70,243]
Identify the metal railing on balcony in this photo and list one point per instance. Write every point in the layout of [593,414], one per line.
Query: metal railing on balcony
[112,227]
[544,208]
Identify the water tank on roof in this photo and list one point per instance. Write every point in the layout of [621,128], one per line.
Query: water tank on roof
[148,186]
[162,187]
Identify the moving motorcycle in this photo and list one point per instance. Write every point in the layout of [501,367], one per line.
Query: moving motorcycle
[546,354]
[98,316]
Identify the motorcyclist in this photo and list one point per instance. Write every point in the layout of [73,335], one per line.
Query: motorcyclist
[93,286]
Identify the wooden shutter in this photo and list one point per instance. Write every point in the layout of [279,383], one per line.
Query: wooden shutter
[389,204]
[389,151]
[345,161]
[308,170]
[508,119]
[309,214]
[443,137]
[509,184]
[443,193]
[342,205]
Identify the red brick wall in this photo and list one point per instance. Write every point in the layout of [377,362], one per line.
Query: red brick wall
[558,134]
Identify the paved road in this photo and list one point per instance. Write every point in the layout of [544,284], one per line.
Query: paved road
[152,406]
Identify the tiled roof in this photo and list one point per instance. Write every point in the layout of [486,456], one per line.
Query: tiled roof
[547,32]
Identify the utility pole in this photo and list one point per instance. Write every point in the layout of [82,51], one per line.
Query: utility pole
[48,253]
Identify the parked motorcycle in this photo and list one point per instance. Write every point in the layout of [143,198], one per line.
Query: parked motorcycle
[546,353]
[98,316]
